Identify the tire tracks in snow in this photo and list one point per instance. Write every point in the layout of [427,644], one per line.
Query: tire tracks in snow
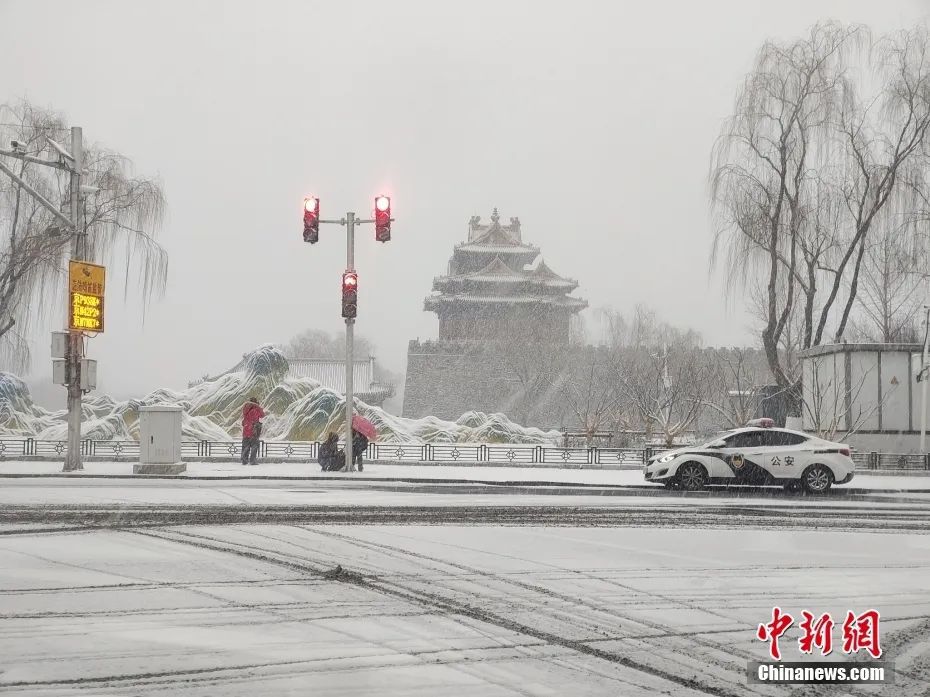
[441,603]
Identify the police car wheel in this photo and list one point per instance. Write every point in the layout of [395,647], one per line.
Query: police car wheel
[817,479]
[692,476]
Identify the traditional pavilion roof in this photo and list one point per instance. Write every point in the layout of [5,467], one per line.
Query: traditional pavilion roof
[438,300]
[495,266]
[535,276]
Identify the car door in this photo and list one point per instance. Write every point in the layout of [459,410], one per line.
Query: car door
[788,454]
[739,453]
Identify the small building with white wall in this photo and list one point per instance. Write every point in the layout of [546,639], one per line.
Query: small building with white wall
[866,395]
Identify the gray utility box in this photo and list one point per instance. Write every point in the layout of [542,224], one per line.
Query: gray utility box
[159,440]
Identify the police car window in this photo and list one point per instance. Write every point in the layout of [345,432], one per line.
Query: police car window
[781,438]
[747,439]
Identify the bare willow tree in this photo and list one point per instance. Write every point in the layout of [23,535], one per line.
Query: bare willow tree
[121,215]
[808,164]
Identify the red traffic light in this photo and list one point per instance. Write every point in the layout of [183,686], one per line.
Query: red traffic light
[382,218]
[349,294]
[311,219]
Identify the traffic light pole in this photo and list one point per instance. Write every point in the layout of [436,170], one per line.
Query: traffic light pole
[311,208]
[350,339]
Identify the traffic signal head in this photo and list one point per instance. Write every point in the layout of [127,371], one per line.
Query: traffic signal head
[349,294]
[382,218]
[311,219]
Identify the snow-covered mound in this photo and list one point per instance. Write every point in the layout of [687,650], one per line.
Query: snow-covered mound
[297,409]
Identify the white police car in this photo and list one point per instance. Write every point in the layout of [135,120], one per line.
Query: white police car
[756,455]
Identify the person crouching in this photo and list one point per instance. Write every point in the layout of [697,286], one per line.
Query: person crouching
[331,459]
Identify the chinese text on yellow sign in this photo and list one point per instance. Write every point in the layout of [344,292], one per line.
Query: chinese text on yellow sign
[86,286]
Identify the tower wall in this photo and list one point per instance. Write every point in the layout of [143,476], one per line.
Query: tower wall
[445,379]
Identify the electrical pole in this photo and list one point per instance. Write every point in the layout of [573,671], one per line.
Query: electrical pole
[75,338]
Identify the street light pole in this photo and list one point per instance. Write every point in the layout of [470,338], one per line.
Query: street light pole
[350,332]
[76,338]
[72,162]
[924,367]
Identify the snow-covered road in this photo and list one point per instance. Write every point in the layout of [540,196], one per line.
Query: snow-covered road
[457,610]
[137,586]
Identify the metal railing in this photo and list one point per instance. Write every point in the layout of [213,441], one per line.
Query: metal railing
[894,461]
[405,453]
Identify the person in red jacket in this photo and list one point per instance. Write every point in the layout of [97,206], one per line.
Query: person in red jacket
[252,414]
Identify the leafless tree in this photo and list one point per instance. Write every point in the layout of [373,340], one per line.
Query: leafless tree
[658,370]
[591,391]
[120,220]
[732,376]
[806,168]
[890,290]
[667,389]
[316,343]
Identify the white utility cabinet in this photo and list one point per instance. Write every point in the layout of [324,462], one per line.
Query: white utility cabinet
[159,435]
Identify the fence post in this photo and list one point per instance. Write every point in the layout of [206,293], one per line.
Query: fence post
[873,461]
[538,454]
[483,453]
[29,446]
[927,461]
[593,456]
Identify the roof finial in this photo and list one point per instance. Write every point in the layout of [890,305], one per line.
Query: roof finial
[494,216]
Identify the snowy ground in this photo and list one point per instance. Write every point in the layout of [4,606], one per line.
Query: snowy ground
[452,610]
[452,585]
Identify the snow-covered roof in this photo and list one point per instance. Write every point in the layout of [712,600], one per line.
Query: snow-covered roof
[495,249]
[495,233]
[332,373]
[557,300]
[499,272]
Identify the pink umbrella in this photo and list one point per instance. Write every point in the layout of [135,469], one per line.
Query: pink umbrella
[364,426]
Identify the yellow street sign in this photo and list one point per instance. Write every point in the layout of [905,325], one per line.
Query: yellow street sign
[86,278]
[86,284]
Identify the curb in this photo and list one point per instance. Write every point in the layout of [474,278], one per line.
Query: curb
[431,481]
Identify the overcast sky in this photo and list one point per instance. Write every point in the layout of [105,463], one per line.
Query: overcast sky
[592,121]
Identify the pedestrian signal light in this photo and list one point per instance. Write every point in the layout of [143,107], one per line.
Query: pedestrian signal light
[311,219]
[382,218]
